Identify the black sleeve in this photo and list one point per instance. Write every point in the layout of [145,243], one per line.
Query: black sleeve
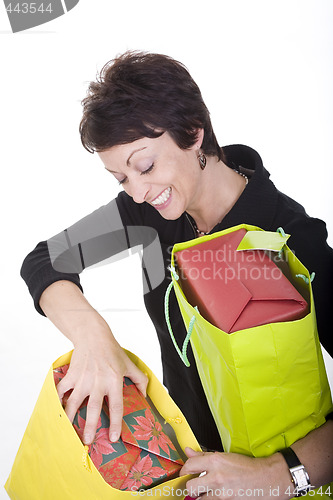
[105,235]
[38,273]
[93,239]
[309,242]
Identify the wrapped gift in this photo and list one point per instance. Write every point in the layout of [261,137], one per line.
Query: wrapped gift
[237,289]
[143,456]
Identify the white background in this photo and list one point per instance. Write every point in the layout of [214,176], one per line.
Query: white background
[265,71]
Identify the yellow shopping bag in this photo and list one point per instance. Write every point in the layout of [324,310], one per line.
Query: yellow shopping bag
[52,462]
[266,386]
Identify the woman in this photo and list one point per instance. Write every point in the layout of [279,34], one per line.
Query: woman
[146,119]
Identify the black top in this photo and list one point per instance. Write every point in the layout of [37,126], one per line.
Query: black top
[123,223]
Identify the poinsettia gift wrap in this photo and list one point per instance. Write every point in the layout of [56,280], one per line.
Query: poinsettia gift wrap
[144,455]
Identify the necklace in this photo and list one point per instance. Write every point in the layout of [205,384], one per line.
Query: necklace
[192,221]
[243,175]
[195,227]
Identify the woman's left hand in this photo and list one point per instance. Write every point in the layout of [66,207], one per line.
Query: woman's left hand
[231,475]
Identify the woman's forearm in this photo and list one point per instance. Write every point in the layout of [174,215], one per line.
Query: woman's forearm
[269,476]
[315,452]
[68,309]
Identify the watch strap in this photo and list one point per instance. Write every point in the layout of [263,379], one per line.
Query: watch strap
[290,457]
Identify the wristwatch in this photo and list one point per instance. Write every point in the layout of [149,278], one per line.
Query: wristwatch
[300,477]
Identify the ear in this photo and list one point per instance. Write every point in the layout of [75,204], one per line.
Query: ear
[199,139]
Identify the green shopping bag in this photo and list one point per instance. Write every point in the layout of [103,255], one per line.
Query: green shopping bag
[266,386]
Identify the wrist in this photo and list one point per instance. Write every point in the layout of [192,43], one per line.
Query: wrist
[298,473]
[279,479]
[92,331]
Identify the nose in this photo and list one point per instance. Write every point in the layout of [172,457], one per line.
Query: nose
[139,191]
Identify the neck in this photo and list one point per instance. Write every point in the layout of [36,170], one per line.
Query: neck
[219,189]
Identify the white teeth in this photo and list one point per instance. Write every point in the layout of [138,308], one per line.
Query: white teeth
[162,197]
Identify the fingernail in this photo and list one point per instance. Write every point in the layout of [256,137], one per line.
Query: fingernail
[87,438]
[113,437]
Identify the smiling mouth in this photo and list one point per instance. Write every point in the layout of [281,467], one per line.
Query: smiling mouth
[162,198]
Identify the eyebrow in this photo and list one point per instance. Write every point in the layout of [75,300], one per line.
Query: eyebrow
[133,152]
[128,160]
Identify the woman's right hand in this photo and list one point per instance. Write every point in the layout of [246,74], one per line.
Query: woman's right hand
[97,368]
[98,363]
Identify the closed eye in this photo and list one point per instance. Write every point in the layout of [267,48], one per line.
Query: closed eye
[148,169]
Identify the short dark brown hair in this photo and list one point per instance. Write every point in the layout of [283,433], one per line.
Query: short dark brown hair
[141,94]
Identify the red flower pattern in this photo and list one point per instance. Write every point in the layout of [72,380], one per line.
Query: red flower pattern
[80,425]
[151,430]
[142,474]
[59,373]
[139,472]
[101,444]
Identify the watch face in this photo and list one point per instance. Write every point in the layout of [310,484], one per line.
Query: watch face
[301,479]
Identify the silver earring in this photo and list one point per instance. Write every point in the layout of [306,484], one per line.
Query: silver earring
[202,160]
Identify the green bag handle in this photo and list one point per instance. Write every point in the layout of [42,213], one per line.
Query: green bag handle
[270,241]
[305,278]
[182,353]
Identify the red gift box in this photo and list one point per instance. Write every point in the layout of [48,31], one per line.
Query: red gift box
[235,290]
[144,454]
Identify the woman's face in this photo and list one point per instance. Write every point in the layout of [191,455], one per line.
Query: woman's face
[158,172]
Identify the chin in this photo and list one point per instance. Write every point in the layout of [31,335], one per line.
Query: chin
[171,215]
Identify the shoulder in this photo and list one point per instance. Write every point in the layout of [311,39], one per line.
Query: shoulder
[294,219]
[308,235]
